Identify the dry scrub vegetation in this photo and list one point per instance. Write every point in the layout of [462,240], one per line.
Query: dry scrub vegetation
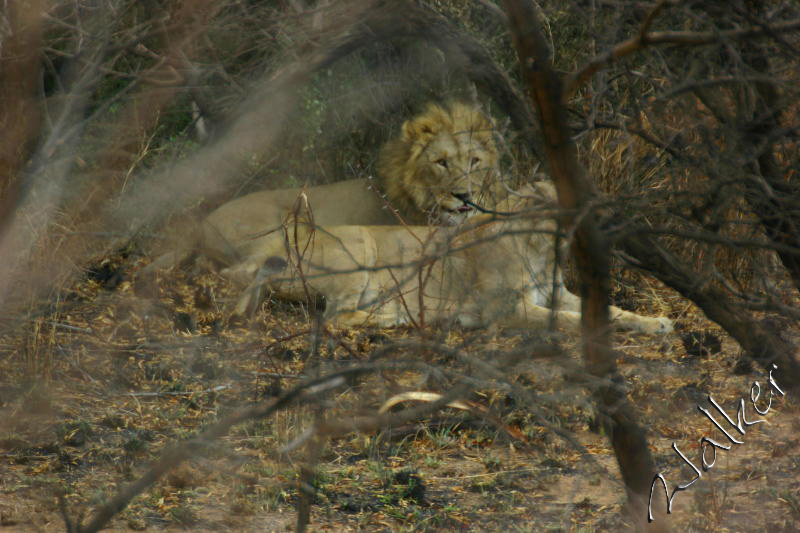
[132,400]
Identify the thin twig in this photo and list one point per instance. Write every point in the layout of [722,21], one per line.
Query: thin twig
[70,327]
[180,393]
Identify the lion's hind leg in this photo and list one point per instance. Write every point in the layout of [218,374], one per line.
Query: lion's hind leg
[253,294]
[341,272]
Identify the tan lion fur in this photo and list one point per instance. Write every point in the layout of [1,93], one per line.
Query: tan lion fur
[445,151]
[485,271]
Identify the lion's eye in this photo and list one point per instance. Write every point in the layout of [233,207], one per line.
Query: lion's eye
[442,162]
[475,161]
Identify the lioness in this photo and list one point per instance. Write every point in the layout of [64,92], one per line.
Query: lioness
[444,158]
[483,272]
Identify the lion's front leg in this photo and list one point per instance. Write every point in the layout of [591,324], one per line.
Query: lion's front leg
[622,319]
[530,315]
[535,316]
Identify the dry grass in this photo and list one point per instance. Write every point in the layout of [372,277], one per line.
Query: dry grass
[126,378]
[629,169]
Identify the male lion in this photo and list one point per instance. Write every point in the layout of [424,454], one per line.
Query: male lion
[483,272]
[443,159]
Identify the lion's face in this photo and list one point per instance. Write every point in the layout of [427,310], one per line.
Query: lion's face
[445,160]
[453,170]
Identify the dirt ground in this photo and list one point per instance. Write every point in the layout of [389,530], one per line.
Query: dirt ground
[95,382]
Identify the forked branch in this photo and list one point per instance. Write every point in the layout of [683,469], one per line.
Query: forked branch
[575,191]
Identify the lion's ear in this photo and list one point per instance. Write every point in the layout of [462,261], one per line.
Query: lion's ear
[420,128]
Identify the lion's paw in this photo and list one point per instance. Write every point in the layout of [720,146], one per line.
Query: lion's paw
[658,326]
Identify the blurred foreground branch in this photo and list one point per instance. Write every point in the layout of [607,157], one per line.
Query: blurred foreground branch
[20,107]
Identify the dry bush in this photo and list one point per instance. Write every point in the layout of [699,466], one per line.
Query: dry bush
[633,171]
[134,116]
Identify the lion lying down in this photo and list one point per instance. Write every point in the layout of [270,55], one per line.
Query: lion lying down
[483,272]
[443,159]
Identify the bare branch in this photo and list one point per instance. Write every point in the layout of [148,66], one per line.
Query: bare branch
[642,40]
[589,248]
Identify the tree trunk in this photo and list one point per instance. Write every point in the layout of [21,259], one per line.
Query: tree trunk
[590,249]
